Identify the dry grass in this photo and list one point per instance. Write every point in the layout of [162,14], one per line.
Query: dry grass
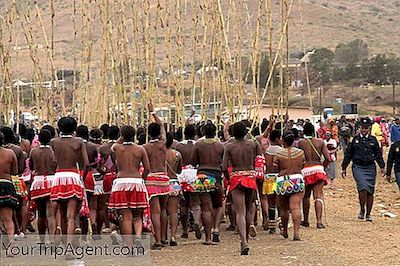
[326,23]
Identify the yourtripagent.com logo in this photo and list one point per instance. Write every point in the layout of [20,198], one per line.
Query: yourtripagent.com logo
[105,251]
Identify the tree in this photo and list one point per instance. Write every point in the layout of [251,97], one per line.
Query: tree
[375,70]
[264,72]
[393,67]
[351,53]
[321,64]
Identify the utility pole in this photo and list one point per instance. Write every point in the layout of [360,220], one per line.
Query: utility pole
[394,95]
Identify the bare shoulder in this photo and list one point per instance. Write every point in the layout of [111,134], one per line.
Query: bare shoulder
[198,143]
[320,141]
[229,145]
[80,140]
[9,152]
[115,146]
[254,143]
[297,150]
[34,151]
[103,148]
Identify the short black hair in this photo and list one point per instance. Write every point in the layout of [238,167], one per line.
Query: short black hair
[170,140]
[295,132]
[154,130]
[288,137]
[21,130]
[96,134]
[140,131]
[308,129]
[128,133]
[1,139]
[44,137]
[239,130]
[113,133]
[200,130]
[104,128]
[178,134]
[142,139]
[67,125]
[246,122]
[190,132]
[264,125]
[274,135]
[9,136]
[51,129]
[30,134]
[255,131]
[210,130]
[278,125]
[82,132]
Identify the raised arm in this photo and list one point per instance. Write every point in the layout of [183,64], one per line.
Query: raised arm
[157,120]
[226,130]
[270,126]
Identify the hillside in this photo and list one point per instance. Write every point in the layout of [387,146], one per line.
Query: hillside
[326,23]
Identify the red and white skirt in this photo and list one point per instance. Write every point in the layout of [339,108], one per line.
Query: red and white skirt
[187,178]
[108,182]
[89,181]
[66,185]
[157,184]
[128,193]
[313,174]
[41,186]
[244,178]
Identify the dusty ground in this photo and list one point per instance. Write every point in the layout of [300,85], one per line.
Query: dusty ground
[345,241]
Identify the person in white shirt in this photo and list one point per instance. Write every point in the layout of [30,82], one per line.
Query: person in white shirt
[330,168]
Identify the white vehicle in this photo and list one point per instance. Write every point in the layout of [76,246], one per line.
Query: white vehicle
[27,116]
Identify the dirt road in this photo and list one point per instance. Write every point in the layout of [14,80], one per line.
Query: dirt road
[345,241]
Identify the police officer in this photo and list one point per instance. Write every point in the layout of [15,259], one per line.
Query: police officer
[364,150]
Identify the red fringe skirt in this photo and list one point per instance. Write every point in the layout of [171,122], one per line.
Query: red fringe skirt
[157,184]
[66,185]
[244,178]
[313,174]
[128,193]
[108,182]
[41,186]
[89,181]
